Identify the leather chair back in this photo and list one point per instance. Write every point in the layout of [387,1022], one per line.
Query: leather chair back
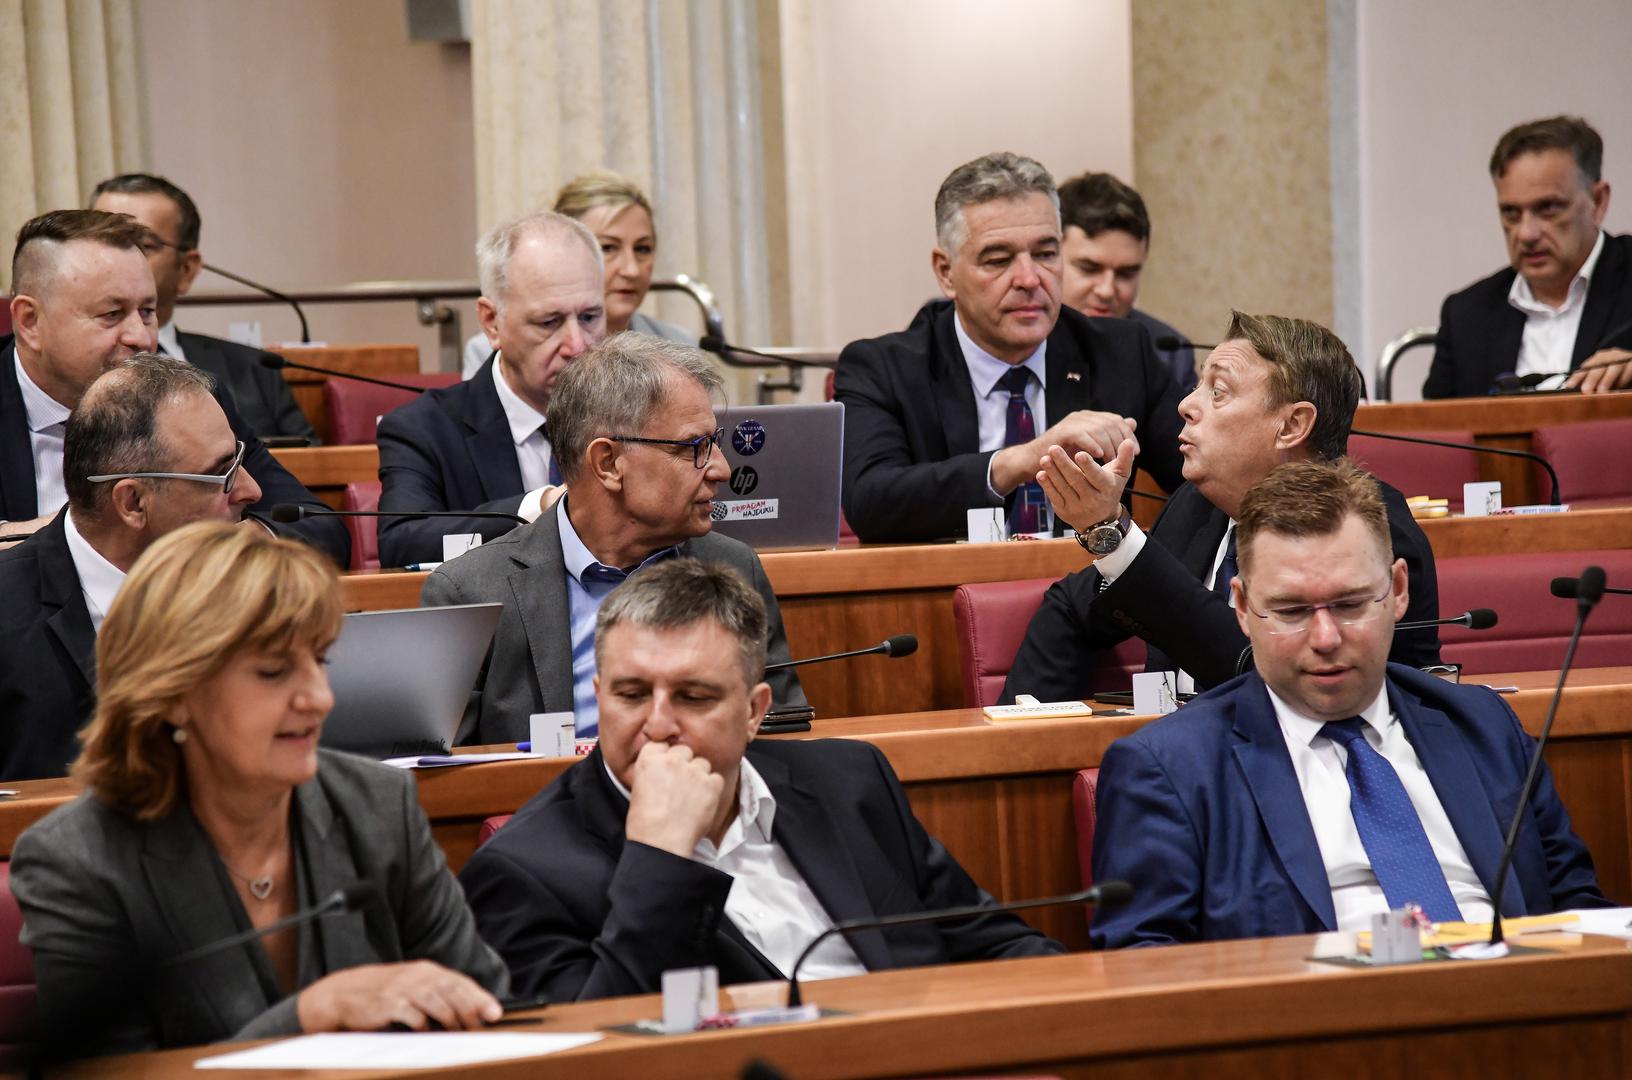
[355,408]
[491,826]
[992,617]
[1420,470]
[1590,459]
[1533,625]
[365,531]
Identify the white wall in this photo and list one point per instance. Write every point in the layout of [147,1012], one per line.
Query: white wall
[1438,84]
[884,99]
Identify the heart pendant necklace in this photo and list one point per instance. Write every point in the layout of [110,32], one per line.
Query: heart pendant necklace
[260,888]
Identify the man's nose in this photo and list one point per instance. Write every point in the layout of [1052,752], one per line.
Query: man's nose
[1188,405]
[660,725]
[1026,274]
[718,469]
[137,333]
[1103,284]
[576,341]
[244,489]
[1324,632]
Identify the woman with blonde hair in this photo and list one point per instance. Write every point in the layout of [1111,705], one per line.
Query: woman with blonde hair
[209,810]
[619,214]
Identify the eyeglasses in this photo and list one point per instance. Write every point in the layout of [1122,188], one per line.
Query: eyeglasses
[702,447]
[226,479]
[1348,610]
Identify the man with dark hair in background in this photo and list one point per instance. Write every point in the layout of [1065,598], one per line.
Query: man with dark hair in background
[260,393]
[1561,314]
[1106,246]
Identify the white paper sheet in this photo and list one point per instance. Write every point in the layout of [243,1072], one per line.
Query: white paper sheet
[442,761]
[1611,922]
[407,1050]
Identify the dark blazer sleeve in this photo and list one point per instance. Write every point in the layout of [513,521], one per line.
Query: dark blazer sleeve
[325,533]
[283,413]
[415,462]
[893,492]
[1054,658]
[261,393]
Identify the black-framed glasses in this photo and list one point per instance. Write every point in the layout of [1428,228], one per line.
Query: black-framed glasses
[702,447]
[1348,610]
[226,479]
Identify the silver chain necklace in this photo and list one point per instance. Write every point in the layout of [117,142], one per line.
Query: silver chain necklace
[260,887]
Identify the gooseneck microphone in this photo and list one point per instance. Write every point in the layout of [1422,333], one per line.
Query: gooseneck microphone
[1475,448]
[1477,619]
[354,897]
[1589,590]
[277,363]
[1567,588]
[720,347]
[1510,383]
[1105,894]
[305,334]
[287,513]
[1172,343]
[897,646]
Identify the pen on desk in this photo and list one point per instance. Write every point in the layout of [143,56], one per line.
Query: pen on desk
[524,748]
[422,566]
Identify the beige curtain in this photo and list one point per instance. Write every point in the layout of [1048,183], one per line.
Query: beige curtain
[69,112]
[672,93]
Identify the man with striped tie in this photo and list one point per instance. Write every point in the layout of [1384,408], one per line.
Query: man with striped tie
[1327,785]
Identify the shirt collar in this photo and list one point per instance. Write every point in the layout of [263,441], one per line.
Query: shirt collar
[100,579]
[170,342]
[985,369]
[43,410]
[1294,725]
[578,558]
[1520,296]
[524,419]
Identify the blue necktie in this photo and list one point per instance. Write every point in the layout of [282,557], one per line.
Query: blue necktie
[1025,512]
[1226,567]
[1401,856]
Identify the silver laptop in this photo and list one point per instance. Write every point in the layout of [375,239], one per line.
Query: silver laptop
[401,679]
[786,461]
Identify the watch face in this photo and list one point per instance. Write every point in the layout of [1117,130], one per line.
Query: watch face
[1102,539]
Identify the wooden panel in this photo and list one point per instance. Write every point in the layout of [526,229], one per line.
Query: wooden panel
[1578,530]
[307,386]
[1495,415]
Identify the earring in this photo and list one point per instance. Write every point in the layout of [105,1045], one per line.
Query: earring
[178,735]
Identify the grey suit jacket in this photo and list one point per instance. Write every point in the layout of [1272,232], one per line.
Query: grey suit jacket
[529,666]
[106,899]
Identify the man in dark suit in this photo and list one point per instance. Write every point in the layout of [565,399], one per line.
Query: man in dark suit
[482,445]
[633,424]
[1327,785]
[681,842]
[83,302]
[1562,312]
[260,393]
[954,412]
[1276,389]
[151,414]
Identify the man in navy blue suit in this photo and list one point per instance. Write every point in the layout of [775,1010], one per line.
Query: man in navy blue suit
[481,445]
[1328,785]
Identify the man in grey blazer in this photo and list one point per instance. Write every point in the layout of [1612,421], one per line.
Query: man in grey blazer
[632,424]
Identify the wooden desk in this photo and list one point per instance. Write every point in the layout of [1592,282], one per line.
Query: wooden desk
[999,795]
[1207,1011]
[381,361]
[1505,422]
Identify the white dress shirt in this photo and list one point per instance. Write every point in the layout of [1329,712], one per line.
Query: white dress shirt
[992,403]
[532,450]
[46,418]
[1320,763]
[170,342]
[1549,332]
[99,579]
[769,900]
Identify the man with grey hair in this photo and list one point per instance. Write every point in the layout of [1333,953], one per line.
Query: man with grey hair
[481,445]
[634,430]
[682,841]
[146,451]
[955,412]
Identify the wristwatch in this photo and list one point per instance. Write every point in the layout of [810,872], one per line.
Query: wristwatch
[1106,537]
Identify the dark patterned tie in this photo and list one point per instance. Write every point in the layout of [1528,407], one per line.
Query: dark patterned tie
[1026,511]
[555,467]
[1401,856]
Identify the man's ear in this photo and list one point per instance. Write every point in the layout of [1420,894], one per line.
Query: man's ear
[603,464]
[488,314]
[1296,426]
[25,320]
[1600,202]
[1402,589]
[759,702]
[129,503]
[941,263]
[191,263]
[1238,601]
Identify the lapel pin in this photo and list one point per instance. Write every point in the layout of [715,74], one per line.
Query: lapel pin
[1073,376]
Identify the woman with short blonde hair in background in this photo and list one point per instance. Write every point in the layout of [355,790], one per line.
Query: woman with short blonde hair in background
[209,810]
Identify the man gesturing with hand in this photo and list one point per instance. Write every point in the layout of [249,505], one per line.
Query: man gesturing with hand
[682,842]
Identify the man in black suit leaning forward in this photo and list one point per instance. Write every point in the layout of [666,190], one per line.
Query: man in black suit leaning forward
[1275,390]
[682,842]
[262,396]
[954,412]
[1564,306]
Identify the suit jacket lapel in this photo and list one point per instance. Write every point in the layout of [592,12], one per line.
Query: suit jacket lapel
[1267,766]
[1455,777]
[1070,375]
[329,865]
[1607,285]
[805,831]
[487,437]
[538,589]
[954,391]
[19,499]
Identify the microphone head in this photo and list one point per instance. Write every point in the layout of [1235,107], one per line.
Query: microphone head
[901,645]
[1590,588]
[1480,619]
[285,513]
[271,360]
[1169,343]
[1111,893]
[358,895]
[712,343]
[1564,588]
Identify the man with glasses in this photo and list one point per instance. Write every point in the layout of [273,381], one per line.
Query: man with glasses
[83,302]
[1326,786]
[632,425]
[261,394]
[146,451]
[1276,390]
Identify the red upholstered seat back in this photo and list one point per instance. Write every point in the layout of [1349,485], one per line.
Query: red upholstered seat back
[1084,786]
[992,617]
[1590,458]
[355,408]
[1434,471]
[365,531]
[17,1008]
[1534,625]
[491,826]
